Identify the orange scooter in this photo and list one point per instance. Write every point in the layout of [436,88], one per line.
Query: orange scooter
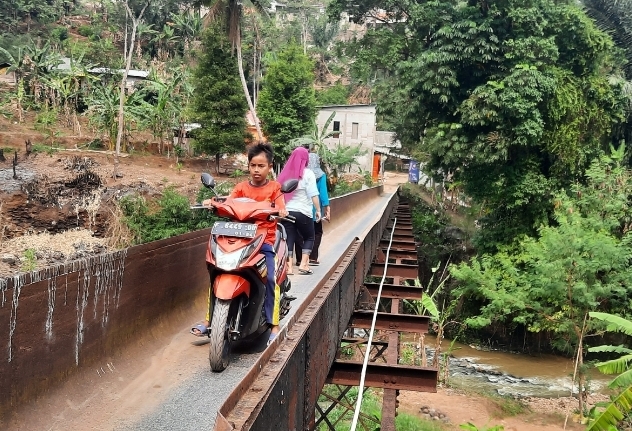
[238,271]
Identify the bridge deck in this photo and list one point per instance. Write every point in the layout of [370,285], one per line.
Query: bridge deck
[169,385]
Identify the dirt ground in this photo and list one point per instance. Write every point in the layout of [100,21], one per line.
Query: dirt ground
[61,204]
[541,415]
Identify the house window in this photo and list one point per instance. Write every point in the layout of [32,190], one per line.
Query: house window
[336,129]
[354,130]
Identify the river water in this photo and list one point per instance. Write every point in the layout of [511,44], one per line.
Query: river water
[514,374]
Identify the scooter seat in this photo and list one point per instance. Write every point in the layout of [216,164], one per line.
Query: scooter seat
[280,235]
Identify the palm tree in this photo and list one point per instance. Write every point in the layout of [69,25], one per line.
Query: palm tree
[621,404]
[231,12]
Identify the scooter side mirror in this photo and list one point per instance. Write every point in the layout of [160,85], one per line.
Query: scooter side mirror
[208,180]
[289,186]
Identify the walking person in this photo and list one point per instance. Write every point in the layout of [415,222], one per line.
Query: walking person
[300,204]
[323,198]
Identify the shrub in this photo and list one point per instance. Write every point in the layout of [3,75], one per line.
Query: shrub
[167,216]
[86,31]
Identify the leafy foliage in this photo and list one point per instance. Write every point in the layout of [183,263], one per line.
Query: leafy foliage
[512,98]
[615,18]
[218,104]
[103,112]
[580,264]
[336,95]
[168,216]
[620,404]
[615,412]
[287,105]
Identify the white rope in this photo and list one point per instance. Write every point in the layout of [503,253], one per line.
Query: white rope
[356,413]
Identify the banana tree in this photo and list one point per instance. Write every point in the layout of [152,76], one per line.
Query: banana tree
[103,110]
[65,89]
[16,62]
[39,63]
[316,140]
[164,40]
[164,106]
[142,31]
[620,406]
[188,26]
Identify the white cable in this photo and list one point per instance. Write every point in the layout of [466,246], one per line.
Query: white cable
[356,413]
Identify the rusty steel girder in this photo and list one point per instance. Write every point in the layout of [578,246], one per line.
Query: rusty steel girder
[399,254]
[410,244]
[390,322]
[395,270]
[395,291]
[401,229]
[281,390]
[386,376]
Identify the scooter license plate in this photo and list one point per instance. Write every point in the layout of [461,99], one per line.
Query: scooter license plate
[241,230]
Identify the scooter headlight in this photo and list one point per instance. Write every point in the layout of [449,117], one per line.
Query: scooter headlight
[230,261]
[227,261]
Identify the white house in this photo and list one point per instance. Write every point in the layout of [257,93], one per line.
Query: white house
[133,76]
[356,127]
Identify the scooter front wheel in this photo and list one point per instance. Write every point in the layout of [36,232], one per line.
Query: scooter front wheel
[219,351]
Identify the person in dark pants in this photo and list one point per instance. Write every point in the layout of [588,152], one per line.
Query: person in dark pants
[300,205]
[323,198]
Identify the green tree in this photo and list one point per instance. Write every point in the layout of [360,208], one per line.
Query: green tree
[512,98]
[287,103]
[336,95]
[615,18]
[218,104]
[551,282]
[230,13]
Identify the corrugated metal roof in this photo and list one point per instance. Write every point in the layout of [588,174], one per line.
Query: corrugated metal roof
[133,73]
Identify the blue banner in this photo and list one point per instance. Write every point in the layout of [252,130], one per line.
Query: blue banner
[413,172]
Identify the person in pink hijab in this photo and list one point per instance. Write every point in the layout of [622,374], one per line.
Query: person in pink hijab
[300,204]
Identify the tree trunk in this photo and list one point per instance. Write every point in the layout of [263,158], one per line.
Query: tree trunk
[217,156]
[128,64]
[244,84]
[254,75]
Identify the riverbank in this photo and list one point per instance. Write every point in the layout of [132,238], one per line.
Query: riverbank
[530,414]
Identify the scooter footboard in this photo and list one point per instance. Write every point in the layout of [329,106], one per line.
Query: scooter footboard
[229,286]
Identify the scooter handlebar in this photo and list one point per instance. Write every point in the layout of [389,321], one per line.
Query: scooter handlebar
[289,218]
[199,206]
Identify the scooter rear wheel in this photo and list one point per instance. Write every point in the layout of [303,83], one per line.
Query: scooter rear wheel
[219,351]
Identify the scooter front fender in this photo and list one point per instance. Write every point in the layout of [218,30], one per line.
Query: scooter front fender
[230,286]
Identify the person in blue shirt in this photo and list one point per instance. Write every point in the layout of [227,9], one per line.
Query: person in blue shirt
[323,196]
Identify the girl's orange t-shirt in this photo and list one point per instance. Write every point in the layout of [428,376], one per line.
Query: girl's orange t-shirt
[269,192]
